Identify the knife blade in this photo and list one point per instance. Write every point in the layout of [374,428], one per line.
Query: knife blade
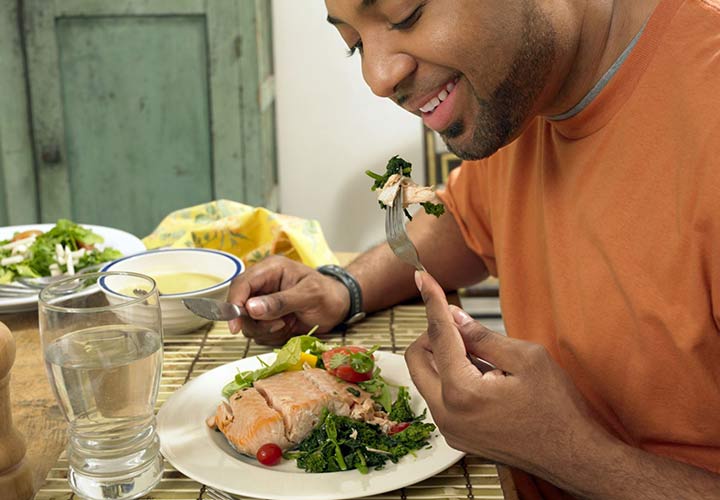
[216,310]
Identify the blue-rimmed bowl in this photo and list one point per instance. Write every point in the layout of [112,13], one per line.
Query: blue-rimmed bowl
[175,317]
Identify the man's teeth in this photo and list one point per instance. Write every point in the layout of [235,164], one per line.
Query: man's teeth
[435,101]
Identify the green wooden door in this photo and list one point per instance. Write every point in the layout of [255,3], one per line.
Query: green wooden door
[141,107]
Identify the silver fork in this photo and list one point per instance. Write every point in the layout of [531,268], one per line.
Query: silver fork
[396,236]
[214,494]
[401,246]
[42,282]
[17,291]
[28,287]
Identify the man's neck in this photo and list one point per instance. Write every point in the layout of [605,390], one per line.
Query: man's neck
[605,28]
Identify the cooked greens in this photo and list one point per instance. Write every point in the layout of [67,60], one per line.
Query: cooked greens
[401,411]
[341,443]
[397,165]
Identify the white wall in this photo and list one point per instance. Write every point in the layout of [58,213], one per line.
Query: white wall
[331,128]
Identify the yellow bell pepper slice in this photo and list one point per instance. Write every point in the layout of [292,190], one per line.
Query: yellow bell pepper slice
[305,357]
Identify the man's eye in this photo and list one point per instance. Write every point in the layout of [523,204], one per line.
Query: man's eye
[409,21]
[357,47]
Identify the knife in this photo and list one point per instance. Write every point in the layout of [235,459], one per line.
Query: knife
[216,310]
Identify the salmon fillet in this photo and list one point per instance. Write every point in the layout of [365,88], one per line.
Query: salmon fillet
[283,409]
[248,422]
[344,402]
[340,399]
[297,399]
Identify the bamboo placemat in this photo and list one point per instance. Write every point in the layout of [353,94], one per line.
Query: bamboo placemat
[190,355]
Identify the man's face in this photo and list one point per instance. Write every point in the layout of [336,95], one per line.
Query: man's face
[472,69]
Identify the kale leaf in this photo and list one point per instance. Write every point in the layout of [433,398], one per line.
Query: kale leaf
[401,411]
[397,165]
[341,443]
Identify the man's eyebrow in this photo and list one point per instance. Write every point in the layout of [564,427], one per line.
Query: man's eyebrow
[365,4]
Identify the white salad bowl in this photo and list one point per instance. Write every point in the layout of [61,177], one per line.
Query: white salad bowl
[176,318]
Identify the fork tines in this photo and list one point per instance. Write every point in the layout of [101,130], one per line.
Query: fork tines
[397,236]
[214,494]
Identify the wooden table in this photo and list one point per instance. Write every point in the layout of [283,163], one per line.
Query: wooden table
[38,417]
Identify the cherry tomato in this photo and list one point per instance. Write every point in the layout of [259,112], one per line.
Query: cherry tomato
[345,371]
[269,454]
[399,427]
[26,234]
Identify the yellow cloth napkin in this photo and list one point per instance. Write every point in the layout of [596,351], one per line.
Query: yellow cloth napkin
[251,233]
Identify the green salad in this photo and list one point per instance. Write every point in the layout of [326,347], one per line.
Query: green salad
[65,249]
[340,443]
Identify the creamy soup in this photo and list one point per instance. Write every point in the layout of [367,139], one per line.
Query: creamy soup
[183,282]
[168,283]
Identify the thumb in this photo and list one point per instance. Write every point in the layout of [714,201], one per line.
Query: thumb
[276,305]
[504,352]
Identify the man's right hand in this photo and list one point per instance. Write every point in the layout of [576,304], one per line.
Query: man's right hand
[285,298]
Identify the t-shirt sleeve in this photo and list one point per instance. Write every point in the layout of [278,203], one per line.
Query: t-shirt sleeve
[466,197]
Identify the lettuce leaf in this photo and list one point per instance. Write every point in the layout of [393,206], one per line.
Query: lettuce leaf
[287,356]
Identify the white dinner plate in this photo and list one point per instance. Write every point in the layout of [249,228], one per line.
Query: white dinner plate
[126,243]
[205,456]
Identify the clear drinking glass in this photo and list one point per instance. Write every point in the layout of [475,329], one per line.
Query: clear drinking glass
[102,343]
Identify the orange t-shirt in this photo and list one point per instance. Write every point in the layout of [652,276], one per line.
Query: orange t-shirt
[604,230]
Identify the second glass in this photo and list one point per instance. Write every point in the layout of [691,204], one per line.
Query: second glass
[102,343]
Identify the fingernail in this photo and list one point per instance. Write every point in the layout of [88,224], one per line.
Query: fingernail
[277,326]
[256,307]
[459,316]
[234,326]
[418,280]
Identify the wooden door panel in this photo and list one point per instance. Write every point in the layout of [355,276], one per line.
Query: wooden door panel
[140,107]
[135,102]
[258,100]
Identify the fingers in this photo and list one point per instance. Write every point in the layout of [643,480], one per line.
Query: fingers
[265,332]
[258,330]
[268,276]
[446,343]
[263,277]
[505,353]
[420,362]
[279,304]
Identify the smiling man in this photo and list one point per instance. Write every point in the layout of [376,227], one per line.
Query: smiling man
[475,79]
[592,190]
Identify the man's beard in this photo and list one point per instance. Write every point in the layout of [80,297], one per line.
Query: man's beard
[501,117]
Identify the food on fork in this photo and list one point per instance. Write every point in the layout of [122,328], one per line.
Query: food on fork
[63,250]
[396,177]
[311,414]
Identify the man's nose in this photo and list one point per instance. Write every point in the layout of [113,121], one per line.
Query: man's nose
[383,70]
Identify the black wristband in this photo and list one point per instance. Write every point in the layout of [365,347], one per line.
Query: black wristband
[355,313]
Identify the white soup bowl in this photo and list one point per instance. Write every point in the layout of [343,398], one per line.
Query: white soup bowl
[176,318]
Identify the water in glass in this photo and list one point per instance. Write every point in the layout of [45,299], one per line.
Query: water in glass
[105,373]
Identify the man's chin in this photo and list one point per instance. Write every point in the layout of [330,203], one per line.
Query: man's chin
[475,142]
[466,147]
